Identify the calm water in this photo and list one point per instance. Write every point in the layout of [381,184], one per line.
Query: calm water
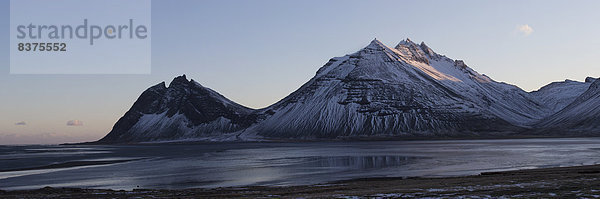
[175,166]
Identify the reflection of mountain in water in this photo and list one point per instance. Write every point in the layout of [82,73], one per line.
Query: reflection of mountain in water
[360,162]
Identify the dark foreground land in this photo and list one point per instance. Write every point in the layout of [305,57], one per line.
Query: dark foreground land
[564,182]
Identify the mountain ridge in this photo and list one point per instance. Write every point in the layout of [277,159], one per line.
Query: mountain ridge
[582,115]
[405,91]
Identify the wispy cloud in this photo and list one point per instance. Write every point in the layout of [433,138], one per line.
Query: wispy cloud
[524,30]
[74,123]
[21,123]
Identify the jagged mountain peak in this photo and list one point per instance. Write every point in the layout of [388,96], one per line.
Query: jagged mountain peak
[418,52]
[590,79]
[406,42]
[182,79]
[428,50]
[160,86]
[376,45]
[407,49]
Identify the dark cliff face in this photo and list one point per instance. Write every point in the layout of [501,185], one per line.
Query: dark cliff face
[201,105]
[198,104]
[147,103]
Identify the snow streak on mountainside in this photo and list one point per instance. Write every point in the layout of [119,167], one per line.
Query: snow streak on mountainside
[557,95]
[405,91]
[582,116]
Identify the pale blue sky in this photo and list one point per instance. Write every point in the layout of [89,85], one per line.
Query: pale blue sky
[257,52]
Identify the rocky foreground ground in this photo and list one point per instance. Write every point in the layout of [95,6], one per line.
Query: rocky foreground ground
[563,182]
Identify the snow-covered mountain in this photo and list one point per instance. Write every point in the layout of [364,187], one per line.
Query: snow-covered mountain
[408,90]
[185,109]
[557,95]
[405,91]
[582,116]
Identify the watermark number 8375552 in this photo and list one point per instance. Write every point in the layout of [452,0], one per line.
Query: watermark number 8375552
[42,47]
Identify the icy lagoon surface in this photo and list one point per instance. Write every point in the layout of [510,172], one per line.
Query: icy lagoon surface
[206,165]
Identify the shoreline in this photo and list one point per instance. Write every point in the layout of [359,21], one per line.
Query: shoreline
[339,140]
[556,182]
